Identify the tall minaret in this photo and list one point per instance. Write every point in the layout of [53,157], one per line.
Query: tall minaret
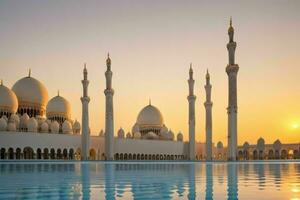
[232,70]
[109,112]
[191,98]
[208,118]
[85,134]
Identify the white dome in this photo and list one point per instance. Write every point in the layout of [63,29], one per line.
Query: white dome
[58,106]
[44,127]
[137,135]
[150,116]
[164,135]
[31,93]
[128,135]
[164,129]
[179,137]
[48,122]
[11,126]
[170,135]
[4,117]
[151,136]
[121,133]
[8,100]
[15,119]
[32,125]
[3,124]
[54,127]
[76,127]
[219,145]
[24,120]
[135,128]
[67,127]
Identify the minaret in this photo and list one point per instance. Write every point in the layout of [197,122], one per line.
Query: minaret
[109,113]
[85,134]
[208,118]
[191,98]
[232,70]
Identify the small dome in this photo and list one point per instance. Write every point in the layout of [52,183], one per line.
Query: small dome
[246,146]
[4,117]
[150,116]
[23,121]
[277,145]
[76,127]
[135,128]
[3,124]
[31,93]
[11,126]
[8,100]
[121,133]
[170,135]
[220,145]
[54,127]
[15,119]
[260,141]
[58,106]
[48,122]
[32,125]
[67,127]
[137,135]
[101,133]
[151,136]
[164,135]
[179,137]
[164,129]
[128,135]
[40,120]
[44,127]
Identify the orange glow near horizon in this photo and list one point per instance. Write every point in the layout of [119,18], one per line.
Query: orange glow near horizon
[151,46]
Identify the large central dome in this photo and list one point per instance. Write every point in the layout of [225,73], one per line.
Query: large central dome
[150,116]
[31,94]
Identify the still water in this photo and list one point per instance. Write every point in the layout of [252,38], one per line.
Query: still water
[134,180]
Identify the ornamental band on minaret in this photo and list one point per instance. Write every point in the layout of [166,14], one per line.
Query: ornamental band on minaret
[232,70]
[109,113]
[208,118]
[85,134]
[191,98]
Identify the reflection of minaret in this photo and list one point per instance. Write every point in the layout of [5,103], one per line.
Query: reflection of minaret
[192,187]
[209,182]
[85,180]
[232,70]
[85,134]
[191,98]
[232,182]
[109,181]
[109,112]
[208,126]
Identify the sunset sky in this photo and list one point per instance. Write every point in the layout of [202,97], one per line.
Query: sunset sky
[151,44]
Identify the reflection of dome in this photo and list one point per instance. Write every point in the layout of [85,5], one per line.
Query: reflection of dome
[54,127]
[67,127]
[8,100]
[32,94]
[150,116]
[58,107]
[32,125]
[179,137]
[3,124]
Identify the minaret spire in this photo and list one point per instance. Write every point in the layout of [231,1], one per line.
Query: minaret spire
[191,99]
[232,70]
[208,118]
[85,134]
[109,113]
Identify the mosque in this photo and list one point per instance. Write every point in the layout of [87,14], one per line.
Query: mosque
[34,127]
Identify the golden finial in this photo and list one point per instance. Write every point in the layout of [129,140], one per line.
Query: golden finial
[1,82]
[108,61]
[57,92]
[29,73]
[150,101]
[230,21]
[207,73]
[84,65]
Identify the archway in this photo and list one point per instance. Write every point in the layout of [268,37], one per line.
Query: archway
[116,156]
[153,157]
[134,157]
[65,154]
[277,155]
[11,153]
[2,156]
[39,153]
[138,157]
[28,153]
[71,154]
[296,154]
[58,154]
[255,155]
[121,156]
[240,155]
[92,154]
[18,153]
[125,156]
[246,155]
[261,155]
[284,154]
[52,153]
[46,153]
[130,157]
[271,154]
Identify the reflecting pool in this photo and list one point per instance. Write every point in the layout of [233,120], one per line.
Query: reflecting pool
[149,180]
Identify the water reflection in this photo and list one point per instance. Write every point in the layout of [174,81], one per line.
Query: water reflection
[149,181]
